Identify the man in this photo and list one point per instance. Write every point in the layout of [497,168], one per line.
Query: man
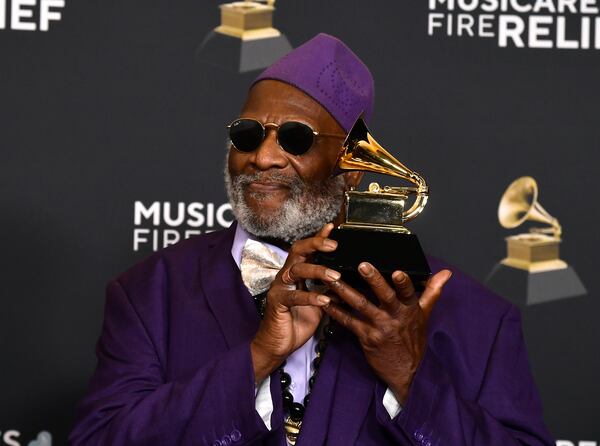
[185,359]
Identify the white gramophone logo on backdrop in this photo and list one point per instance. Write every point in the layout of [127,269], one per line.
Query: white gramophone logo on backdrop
[576,443]
[563,24]
[29,15]
[12,438]
[160,224]
[532,271]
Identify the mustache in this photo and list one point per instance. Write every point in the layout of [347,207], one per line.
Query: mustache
[269,177]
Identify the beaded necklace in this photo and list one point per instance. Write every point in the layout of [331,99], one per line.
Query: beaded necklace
[296,410]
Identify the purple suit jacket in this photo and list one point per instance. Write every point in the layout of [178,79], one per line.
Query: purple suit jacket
[174,368]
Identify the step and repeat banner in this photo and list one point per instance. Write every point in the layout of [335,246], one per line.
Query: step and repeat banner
[112,146]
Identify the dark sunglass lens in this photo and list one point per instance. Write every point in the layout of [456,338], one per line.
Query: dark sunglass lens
[295,137]
[246,134]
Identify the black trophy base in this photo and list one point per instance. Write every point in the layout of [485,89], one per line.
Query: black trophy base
[239,55]
[525,288]
[387,251]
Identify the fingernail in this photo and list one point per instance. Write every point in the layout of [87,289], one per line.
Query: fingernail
[398,276]
[323,299]
[331,244]
[327,227]
[333,275]
[448,274]
[365,268]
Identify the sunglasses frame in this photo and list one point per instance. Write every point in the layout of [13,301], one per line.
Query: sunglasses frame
[272,125]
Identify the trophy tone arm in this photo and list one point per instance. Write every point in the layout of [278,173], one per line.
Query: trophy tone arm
[422,191]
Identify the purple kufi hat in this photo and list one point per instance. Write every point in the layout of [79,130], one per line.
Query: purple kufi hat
[330,73]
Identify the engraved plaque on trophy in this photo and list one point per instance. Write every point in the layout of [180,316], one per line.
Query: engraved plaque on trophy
[374,229]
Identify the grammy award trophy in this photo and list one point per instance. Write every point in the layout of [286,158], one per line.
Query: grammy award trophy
[374,229]
[246,39]
[532,271]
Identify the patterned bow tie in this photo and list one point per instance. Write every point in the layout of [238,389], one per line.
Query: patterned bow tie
[259,266]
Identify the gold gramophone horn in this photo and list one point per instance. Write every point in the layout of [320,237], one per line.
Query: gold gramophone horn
[361,152]
[373,220]
[519,203]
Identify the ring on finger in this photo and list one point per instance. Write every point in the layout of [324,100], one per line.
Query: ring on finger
[286,278]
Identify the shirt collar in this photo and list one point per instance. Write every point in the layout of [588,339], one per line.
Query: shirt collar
[239,240]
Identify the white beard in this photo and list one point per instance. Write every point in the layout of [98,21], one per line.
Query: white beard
[308,208]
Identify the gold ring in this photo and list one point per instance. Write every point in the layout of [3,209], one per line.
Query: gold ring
[286,279]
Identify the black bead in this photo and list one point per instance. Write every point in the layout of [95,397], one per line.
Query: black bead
[288,399]
[321,346]
[306,399]
[311,382]
[297,412]
[285,379]
[316,362]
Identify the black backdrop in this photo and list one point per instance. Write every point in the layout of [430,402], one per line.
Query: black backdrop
[109,107]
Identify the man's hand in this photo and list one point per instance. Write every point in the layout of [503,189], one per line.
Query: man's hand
[292,313]
[392,335]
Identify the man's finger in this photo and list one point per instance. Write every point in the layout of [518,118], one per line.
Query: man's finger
[304,271]
[325,230]
[433,290]
[356,300]
[300,298]
[346,319]
[381,288]
[405,289]
[303,248]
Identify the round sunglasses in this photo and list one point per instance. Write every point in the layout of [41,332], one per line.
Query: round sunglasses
[294,137]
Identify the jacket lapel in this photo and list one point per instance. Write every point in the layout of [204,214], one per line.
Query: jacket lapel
[354,392]
[226,294]
[345,384]
[234,309]
[318,413]
[341,397]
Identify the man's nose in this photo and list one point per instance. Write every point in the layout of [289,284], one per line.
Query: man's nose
[269,155]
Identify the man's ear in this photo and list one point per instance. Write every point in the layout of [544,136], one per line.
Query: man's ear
[353,178]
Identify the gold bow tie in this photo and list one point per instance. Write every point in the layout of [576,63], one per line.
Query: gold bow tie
[259,266]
